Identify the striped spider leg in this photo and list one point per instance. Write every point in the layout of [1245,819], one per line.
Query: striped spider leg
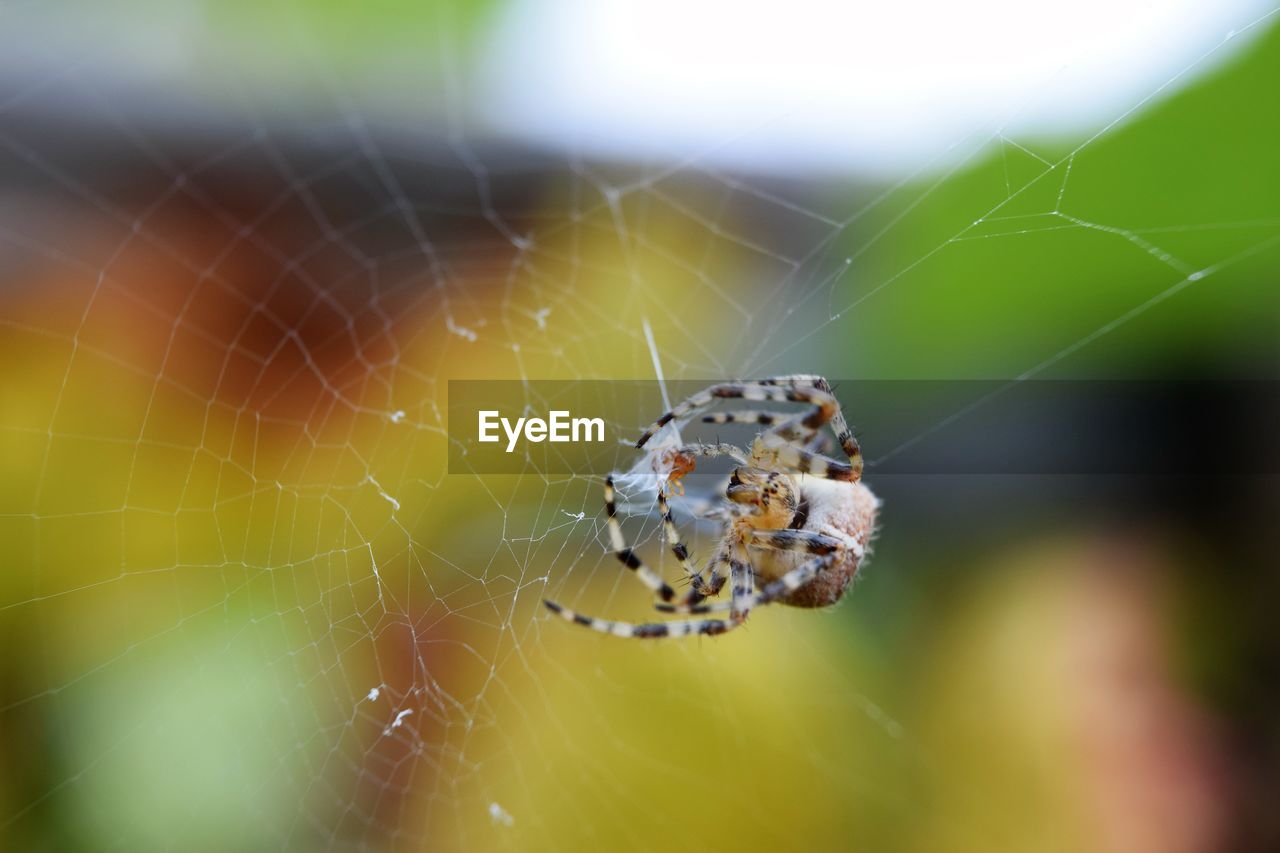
[775,448]
[827,551]
[628,557]
[699,589]
[811,440]
[625,554]
[839,425]
[680,460]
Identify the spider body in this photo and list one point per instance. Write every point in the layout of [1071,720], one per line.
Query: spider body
[798,523]
[843,511]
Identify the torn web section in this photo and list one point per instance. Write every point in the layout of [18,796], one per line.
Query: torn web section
[690,480]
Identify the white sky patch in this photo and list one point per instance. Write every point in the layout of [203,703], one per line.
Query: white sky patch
[838,85]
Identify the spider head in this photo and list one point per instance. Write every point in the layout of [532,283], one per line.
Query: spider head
[770,496]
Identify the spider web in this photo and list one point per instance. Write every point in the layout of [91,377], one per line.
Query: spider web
[245,600]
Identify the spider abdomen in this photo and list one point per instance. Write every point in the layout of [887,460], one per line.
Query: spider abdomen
[846,511]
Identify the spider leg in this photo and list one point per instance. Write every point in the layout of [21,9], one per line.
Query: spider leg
[796,578]
[788,426]
[704,508]
[741,575]
[773,452]
[807,541]
[746,416]
[677,547]
[825,405]
[715,580]
[743,578]
[792,389]
[650,630]
[754,417]
[720,449]
[673,463]
[625,555]
[701,589]
[839,425]
[716,513]
[780,588]
[826,548]
[815,389]
[798,379]
[820,444]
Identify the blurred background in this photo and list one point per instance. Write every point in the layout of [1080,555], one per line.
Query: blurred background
[243,248]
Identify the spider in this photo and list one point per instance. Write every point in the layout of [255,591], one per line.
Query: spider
[788,538]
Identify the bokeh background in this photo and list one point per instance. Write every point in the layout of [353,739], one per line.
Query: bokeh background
[243,248]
